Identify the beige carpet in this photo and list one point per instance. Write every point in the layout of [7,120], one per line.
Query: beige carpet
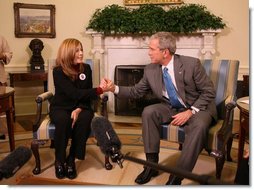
[91,171]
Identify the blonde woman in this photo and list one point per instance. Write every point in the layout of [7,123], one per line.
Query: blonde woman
[70,109]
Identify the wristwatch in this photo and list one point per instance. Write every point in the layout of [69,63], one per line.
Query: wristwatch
[193,111]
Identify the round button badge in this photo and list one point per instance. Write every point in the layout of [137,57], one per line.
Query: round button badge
[82,76]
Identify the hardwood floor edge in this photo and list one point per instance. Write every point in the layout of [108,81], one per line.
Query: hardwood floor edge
[36,180]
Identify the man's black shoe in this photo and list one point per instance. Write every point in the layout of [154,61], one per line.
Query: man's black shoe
[173,180]
[146,175]
[2,136]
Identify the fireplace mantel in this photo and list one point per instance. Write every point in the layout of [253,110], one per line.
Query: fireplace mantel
[133,50]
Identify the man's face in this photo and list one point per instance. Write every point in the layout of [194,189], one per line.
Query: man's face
[155,54]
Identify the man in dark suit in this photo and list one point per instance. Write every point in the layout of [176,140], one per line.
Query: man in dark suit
[196,111]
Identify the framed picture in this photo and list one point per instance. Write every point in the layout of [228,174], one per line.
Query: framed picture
[34,21]
[141,2]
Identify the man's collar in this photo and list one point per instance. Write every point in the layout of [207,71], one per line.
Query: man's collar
[171,62]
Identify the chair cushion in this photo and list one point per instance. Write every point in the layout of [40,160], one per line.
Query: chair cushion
[175,133]
[45,131]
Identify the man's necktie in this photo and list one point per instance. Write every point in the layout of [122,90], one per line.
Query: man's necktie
[171,89]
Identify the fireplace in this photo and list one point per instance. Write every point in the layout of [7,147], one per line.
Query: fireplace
[129,75]
[130,51]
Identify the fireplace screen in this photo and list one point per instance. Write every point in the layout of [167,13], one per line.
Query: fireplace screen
[128,75]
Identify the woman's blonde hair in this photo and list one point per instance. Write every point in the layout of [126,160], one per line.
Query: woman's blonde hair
[66,55]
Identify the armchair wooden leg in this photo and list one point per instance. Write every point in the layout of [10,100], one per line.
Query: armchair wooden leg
[52,143]
[229,146]
[35,150]
[220,160]
[108,165]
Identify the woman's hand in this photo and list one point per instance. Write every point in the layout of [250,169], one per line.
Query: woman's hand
[107,85]
[74,116]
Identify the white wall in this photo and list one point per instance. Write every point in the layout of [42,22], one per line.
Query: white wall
[72,18]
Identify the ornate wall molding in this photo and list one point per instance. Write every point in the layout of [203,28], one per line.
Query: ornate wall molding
[141,2]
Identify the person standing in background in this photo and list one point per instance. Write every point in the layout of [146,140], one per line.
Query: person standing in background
[5,58]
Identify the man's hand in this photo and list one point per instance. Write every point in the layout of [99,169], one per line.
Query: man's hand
[181,118]
[107,85]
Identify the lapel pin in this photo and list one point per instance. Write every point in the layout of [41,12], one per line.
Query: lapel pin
[82,76]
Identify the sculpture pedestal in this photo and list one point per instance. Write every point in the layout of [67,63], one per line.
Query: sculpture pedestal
[37,67]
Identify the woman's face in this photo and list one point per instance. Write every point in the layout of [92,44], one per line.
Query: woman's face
[78,55]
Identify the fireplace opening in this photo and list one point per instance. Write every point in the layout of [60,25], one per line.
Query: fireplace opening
[129,75]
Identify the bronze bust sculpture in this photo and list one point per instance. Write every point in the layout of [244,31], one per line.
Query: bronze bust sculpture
[36,61]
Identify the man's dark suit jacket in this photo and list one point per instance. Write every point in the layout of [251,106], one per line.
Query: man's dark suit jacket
[194,86]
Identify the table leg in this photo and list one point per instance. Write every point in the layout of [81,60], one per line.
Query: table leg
[13,103]
[12,85]
[241,143]
[10,126]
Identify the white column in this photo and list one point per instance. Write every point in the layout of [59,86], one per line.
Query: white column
[209,44]
[98,49]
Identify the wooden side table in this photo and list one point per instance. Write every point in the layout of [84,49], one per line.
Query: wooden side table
[28,75]
[243,106]
[7,106]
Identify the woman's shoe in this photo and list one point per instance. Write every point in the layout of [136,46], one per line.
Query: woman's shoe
[71,172]
[59,170]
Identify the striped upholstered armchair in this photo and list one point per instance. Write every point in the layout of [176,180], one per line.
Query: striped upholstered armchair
[224,75]
[43,129]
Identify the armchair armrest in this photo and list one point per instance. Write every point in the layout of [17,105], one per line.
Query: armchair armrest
[226,130]
[229,99]
[39,100]
[43,97]
[228,120]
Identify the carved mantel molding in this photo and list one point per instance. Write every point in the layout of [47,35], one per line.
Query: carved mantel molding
[207,46]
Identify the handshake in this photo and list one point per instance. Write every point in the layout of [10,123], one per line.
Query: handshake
[107,85]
